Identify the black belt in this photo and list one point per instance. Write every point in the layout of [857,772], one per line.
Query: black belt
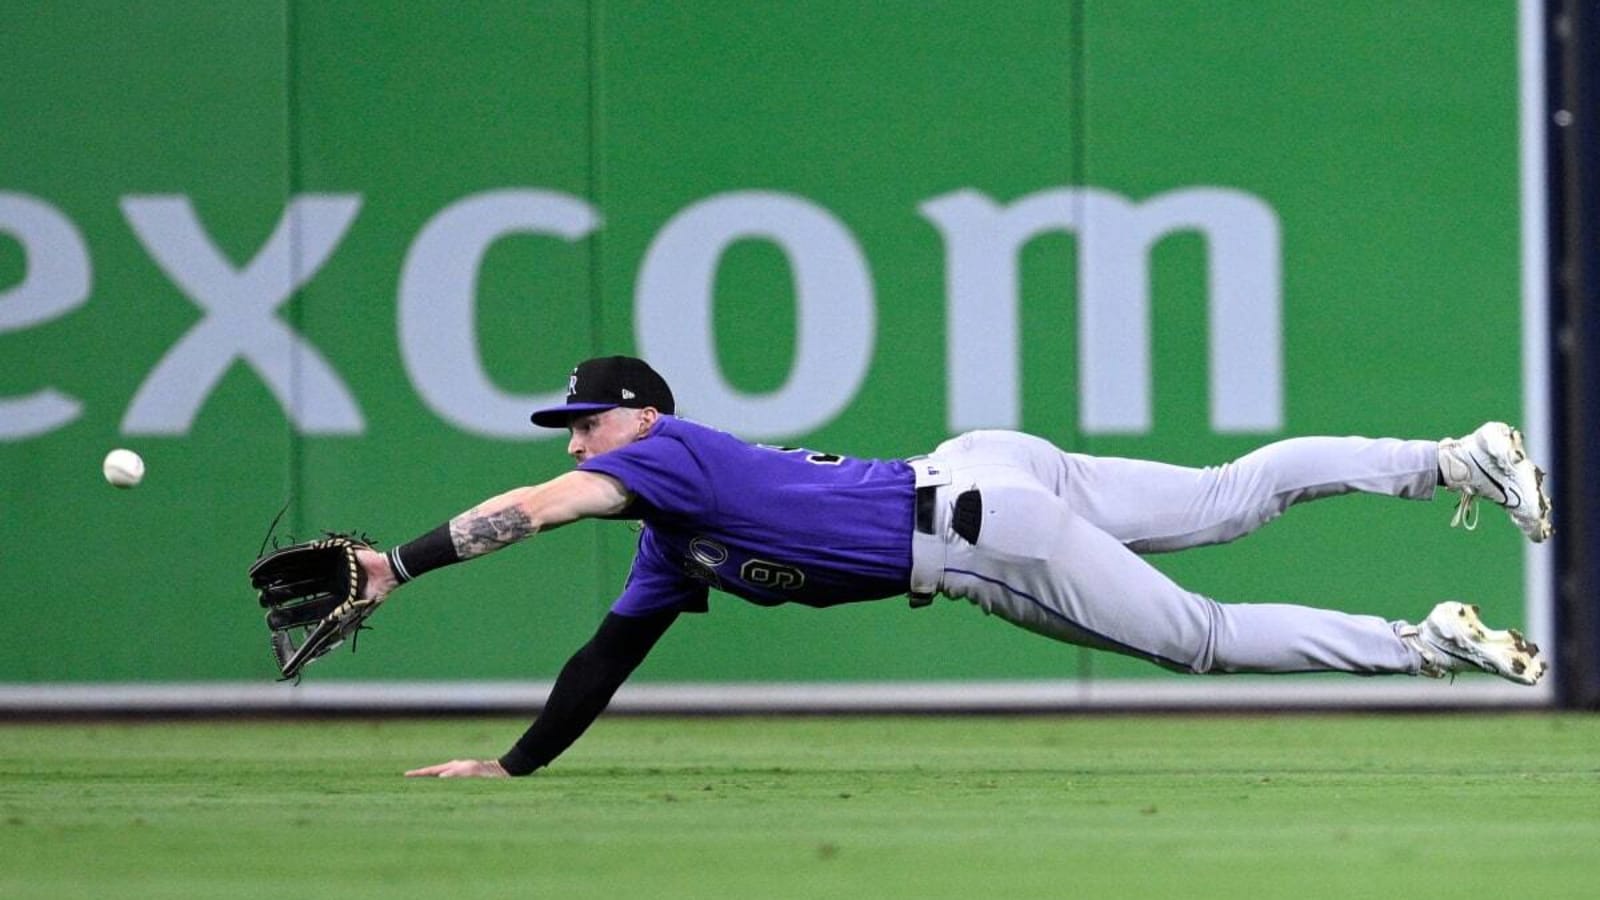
[966,521]
[926,497]
[966,516]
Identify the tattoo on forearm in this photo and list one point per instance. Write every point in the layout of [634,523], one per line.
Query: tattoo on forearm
[476,533]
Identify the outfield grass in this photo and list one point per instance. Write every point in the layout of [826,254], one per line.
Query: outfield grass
[1096,806]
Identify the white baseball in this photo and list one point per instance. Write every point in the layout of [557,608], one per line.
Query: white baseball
[123,468]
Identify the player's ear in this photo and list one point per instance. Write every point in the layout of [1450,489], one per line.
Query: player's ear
[647,419]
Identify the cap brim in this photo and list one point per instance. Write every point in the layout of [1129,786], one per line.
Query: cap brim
[559,416]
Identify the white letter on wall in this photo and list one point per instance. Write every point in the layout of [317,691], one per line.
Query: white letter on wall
[438,305]
[55,281]
[835,320]
[1116,237]
[239,321]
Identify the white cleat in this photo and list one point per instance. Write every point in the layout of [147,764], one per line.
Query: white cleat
[1453,639]
[1492,463]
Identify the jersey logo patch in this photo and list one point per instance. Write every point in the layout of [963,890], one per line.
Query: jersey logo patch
[708,552]
[704,557]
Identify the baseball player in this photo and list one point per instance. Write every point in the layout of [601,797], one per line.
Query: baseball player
[1045,539]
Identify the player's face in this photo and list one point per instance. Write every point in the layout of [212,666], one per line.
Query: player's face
[605,431]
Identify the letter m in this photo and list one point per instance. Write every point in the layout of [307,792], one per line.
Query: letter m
[1116,237]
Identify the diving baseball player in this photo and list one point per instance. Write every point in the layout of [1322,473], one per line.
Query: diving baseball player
[1042,538]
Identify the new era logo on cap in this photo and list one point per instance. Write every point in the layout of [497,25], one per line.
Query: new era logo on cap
[607,382]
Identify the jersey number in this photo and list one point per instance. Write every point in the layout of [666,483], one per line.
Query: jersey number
[813,457]
[777,576]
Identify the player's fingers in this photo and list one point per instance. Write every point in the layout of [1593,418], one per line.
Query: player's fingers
[474,768]
[461,768]
[430,771]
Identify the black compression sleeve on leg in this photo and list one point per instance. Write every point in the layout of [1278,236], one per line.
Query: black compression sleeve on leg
[584,687]
[431,551]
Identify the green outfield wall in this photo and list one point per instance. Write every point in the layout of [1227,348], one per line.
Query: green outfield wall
[330,254]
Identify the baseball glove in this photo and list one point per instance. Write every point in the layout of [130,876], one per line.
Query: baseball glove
[312,594]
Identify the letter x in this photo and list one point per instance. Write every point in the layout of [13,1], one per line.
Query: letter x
[240,321]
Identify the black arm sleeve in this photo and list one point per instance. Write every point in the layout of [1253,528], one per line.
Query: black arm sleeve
[585,686]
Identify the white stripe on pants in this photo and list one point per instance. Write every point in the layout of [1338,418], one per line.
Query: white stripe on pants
[1061,533]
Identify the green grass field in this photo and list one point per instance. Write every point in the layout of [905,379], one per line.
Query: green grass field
[1096,806]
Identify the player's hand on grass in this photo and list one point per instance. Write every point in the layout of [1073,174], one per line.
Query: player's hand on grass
[462,768]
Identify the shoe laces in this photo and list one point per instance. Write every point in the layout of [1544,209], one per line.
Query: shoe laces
[1434,661]
[1466,510]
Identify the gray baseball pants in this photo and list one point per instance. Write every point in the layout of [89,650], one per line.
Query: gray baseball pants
[1061,533]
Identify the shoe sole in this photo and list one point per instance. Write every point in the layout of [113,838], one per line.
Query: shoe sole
[1504,653]
[1509,458]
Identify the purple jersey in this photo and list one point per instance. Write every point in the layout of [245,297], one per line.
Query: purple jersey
[768,525]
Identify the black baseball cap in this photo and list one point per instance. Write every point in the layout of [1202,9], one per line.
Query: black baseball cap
[607,382]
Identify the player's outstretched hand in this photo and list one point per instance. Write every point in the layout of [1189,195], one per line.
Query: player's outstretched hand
[380,581]
[462,768]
